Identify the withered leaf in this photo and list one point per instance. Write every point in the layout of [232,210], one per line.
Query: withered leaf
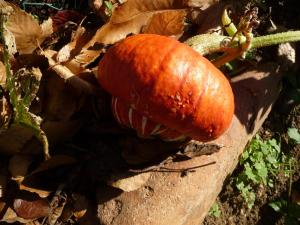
[80,38]
[3,183]
[5,113]
[128,183]
[169,23]
[18,166]
[2,73]
[47,27]
[55,161]
[41,193]
[26,30]
[200,3]
[10,216]
[9,41]
[31,209]
[128,18]
[13,139]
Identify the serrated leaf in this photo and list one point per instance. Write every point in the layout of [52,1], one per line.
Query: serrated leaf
[294,134]
[19,103]
[250,173]
[278,206]
[262,171]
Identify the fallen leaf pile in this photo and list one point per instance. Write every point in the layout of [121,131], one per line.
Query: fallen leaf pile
[52,105]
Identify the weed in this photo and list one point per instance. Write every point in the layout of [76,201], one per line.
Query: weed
[289,210]
[294,135]
[108,7]
[215,210]
[260,162]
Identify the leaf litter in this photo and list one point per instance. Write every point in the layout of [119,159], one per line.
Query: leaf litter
[49,94]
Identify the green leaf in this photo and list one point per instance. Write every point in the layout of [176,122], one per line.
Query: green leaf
[250,173]
[274,144]
[293,134]
[262,171]
[21,93]
[215,210]
[279,206]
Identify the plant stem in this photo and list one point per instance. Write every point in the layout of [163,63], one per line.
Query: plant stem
[274,39]
[210,43]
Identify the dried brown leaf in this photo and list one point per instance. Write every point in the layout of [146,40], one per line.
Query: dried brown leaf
[128,183]
[13,139]
[10,216]
[5,113]
[9,41]
[128,18]
[80,38]
[47,27]
[18,166]
[78,84]
[200,3]
[169,23]
[53,162]
[31,209]
[58,131]
[25,29]
[2,74]
[3,183]
[39,192]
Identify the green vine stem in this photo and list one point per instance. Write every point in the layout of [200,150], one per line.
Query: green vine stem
[210,43]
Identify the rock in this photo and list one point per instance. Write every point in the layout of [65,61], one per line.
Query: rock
[185,199]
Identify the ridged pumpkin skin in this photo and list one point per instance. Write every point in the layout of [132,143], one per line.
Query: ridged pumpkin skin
[170,83]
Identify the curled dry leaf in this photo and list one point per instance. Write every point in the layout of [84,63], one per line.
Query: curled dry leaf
[58,204]
[80,205]
[18,166]
[9,41]
[200,3]
[41,193]
[5,113]
[78,84]
[26,30]
[61,17]
[3,183]
[14,138]
[79,39]
[2,73]
[31,209]
[130,18]
[128,183]
[10,216]
[47,27]
[55,161]
[95,5]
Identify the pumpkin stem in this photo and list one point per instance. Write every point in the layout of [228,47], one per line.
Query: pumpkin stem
[240,39]
[210,43]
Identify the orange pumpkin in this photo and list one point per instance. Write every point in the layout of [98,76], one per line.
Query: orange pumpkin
[170,85]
